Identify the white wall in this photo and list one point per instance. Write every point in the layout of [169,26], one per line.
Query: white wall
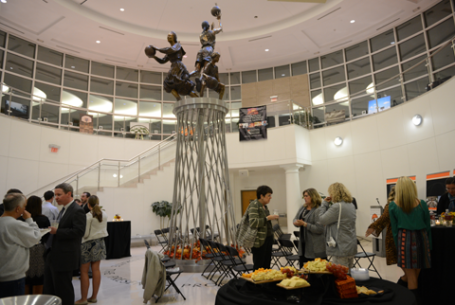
[27,163]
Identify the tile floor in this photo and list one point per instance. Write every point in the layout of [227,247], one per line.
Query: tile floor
[120,283]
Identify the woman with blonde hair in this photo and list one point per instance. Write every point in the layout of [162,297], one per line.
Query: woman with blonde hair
[93,249]
[338,214]
[410,220]
[312,241]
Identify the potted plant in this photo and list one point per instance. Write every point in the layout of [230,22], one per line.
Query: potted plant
[164,210]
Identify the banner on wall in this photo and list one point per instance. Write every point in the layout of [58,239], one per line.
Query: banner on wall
[253,123]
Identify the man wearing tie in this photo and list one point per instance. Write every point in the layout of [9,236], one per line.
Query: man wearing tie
[64,244]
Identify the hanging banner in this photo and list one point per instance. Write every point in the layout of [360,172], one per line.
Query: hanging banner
[253,123]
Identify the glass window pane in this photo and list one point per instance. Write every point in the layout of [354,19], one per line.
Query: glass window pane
[333,76]
[249,77]
[443,58]
[169,126]
[21,46]
[149,109]
[75,98]
[19,107]
[235,109]
[446,73]
[412,47]
[19,65]
[151,77]
[76,80]
[45,91]
[265,74]
[75,63]
[270,122]
[1,58]
[126,107]
[73,116]
[127,74]
[337,113]
[313,64]
[50,113]
[420,70]
[299,68]
[102,85]
[338,92]
[282,71]
[315,80]
[236,92]
[318,115]
[385,75]
[359,86]
[235,78]
[2,38]
[316,97]
[384,59]
[356,51]
[151,93]
[284,119]
[437,12]
[126,89]
[361,105]
[359,67]
[100,103]
[48,74]
[168,96]
[396,95]
[18,83]
[167,110]
[104,123]
[416,88]
[441,33]
[224,78]
[50,56]
[332,59]
[409,28]
[381,41]
[102,69]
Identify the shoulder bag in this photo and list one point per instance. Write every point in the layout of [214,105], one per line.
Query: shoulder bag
[245,234]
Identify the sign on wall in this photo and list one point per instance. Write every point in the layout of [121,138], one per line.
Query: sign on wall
[253,123]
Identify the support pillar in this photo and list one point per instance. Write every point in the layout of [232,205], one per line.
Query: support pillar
[293,193]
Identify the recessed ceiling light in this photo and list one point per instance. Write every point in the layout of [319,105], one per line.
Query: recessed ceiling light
[3,1]
[266,50]
[11,68]
[122,9]
[352,21]
[73,67]
[98,41]
[283,74]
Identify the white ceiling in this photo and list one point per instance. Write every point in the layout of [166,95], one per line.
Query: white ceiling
[291,31]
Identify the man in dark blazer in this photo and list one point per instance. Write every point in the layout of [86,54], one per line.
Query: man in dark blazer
[64,253]
[447,198]
[84,200]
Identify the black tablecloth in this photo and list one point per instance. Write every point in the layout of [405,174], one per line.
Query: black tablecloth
[321,292]
[118,242]
[436,283]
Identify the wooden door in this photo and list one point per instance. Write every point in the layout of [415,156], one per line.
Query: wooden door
[247,197]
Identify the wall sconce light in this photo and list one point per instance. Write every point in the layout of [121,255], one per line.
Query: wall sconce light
[417,119]
[338,141]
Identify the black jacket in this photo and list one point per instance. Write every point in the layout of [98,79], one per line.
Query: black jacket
[443,203]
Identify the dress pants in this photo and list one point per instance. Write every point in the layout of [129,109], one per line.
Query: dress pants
[262,256]
[58,283]
[12,288]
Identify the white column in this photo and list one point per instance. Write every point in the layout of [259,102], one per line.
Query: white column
[293,193]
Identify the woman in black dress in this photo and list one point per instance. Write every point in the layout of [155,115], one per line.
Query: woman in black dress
[35,275]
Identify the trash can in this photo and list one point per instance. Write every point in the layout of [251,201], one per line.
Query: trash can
[35,299]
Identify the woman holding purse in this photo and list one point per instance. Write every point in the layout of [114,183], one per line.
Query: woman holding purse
[93,250]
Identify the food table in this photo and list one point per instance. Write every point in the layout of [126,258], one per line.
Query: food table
[118,242]
[239,291]
[438,280]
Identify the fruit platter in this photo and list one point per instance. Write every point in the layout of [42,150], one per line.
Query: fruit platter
[294,282]
[117,217]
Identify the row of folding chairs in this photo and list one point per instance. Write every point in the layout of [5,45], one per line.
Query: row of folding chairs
[163,240]
[208,233]
[226,261]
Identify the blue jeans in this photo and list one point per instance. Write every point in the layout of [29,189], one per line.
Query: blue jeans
[12,288]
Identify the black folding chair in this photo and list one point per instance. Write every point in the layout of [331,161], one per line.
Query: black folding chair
[171,281]
[162,238]
[369,256]
[211,256]
[217,259]
[288,247]
[164,259]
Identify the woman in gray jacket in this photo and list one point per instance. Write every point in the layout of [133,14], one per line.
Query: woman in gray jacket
[312,240]
[338,214]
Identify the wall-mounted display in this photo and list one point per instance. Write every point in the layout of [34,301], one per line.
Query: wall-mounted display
[253,123]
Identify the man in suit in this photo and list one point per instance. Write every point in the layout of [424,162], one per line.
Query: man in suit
[84,201]
[447,201]
[64,253]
